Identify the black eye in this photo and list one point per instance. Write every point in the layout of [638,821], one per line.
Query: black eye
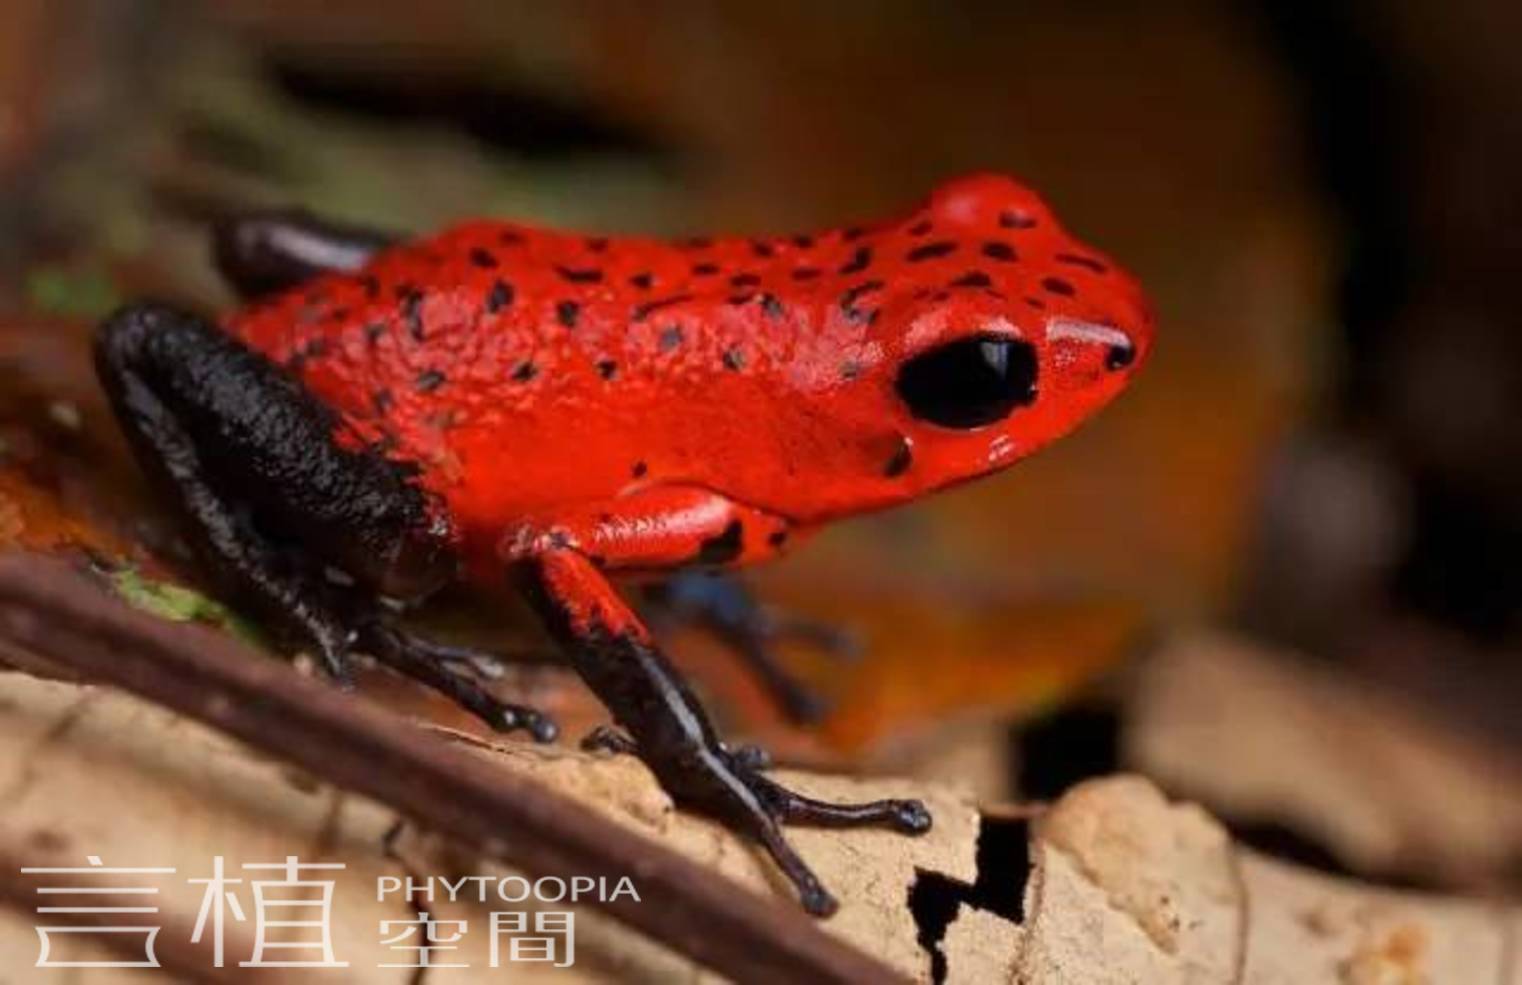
[970,382]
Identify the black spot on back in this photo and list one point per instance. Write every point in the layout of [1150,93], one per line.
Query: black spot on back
[1056,285]
[704,269]
[805,273]
[802,241]
[587,275]
[1011,219]
[525,371]
[499,297]
[734,360]
[567,313]
[597,243]
[482,258]
[762,248]
[1003,252]
[429,380]
[412,311]
[859,261]
[851,295]
[744,280]
[607,368]
[772,306]
[639,470]
[930,251]
[642,280]
[973,278]
[645,309]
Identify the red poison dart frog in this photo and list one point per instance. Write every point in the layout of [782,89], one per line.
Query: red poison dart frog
[545,410]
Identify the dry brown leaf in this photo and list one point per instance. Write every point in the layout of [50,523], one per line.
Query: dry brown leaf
[1266,736]
[1124,886]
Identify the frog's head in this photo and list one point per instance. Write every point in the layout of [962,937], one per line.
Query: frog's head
[995,334]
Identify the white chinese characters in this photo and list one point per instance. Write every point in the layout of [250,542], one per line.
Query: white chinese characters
[281,915]
[109,910]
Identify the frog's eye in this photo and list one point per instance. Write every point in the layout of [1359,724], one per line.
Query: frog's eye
[971,382]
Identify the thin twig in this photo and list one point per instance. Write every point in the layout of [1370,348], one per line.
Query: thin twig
[49,608]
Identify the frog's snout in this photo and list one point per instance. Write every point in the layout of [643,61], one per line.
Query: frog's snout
[1120,349]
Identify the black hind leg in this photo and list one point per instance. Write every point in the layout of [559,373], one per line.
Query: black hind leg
[274,501]
[725,607]
[262,252]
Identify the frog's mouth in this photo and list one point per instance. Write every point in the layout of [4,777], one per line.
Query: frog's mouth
[972,382]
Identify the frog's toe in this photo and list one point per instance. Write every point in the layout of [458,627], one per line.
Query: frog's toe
[912,817]
[751,758]
[511,718]
[818,901]
[907,816]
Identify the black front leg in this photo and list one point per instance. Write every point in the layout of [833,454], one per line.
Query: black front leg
[250,458]
[612,651]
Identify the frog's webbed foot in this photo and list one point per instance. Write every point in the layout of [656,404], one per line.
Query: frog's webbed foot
[728,784]
[669,731]
[778,805]
[724,606]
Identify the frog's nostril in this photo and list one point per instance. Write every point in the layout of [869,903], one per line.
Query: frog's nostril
[1120,356]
